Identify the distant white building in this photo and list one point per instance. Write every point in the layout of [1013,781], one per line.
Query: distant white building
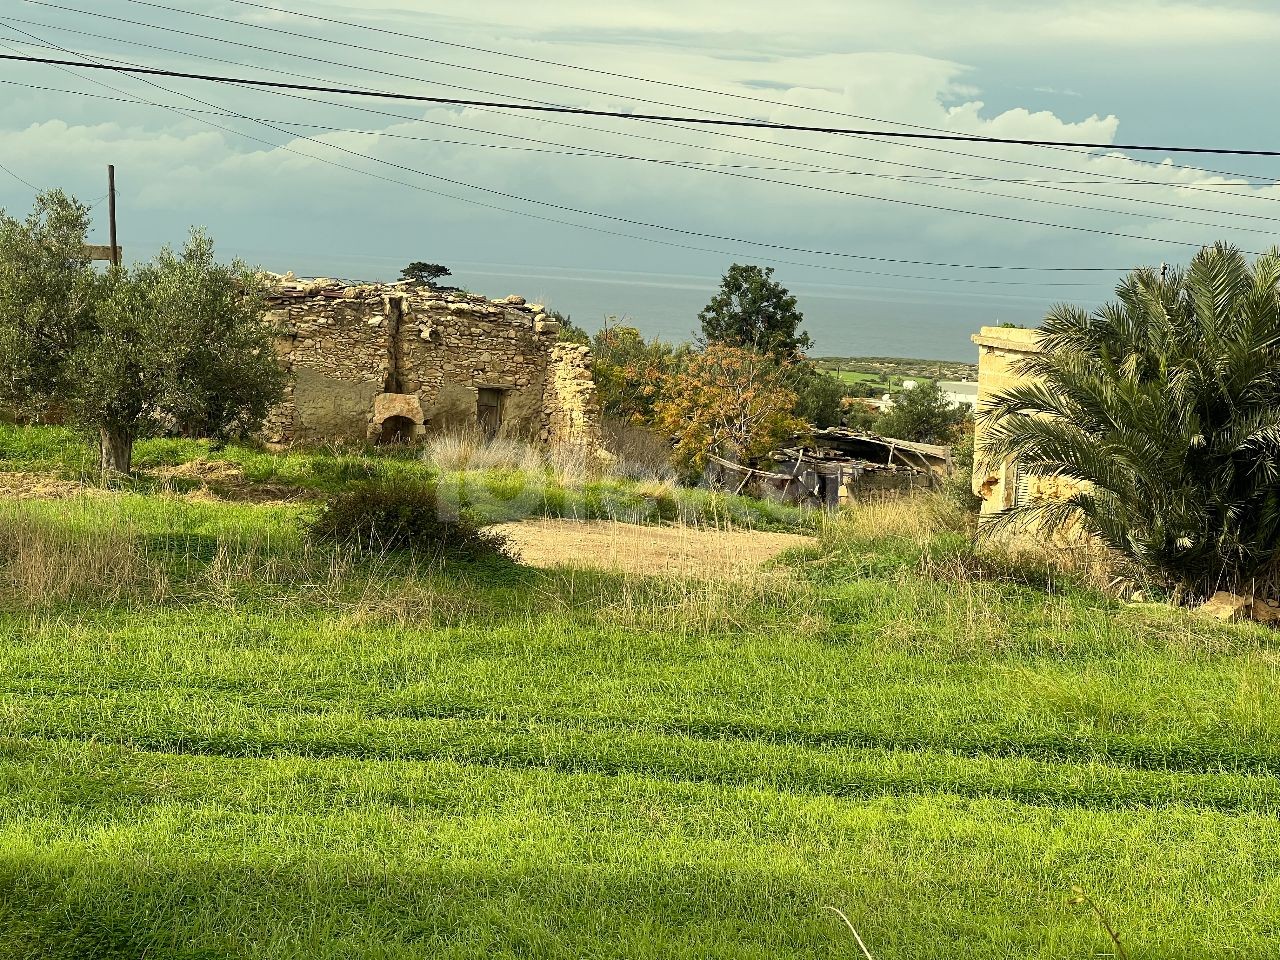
[964,392]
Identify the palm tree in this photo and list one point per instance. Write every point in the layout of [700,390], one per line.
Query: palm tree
[1165,407]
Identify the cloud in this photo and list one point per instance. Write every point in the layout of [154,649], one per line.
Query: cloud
[378,196]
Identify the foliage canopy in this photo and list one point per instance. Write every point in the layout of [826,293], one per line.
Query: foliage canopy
[426,273]
[177,343]
[754,310]
[727,400]
[922,415]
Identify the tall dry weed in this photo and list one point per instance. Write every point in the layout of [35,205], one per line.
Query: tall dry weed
[468,449]
[44,563]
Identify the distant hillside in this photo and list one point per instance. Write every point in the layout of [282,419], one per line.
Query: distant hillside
[890,371]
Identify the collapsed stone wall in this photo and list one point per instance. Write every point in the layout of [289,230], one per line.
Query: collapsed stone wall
[368,357]
[570,400]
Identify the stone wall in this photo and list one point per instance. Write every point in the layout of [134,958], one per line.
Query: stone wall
[399,361]
[570,400]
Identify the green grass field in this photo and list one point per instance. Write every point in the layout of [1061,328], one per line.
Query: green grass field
[217,741]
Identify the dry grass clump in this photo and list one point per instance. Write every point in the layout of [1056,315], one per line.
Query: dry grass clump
[469,450]
[908,521]
[643,454]
[948,544]
[743,602]
[96,555]
[43,563]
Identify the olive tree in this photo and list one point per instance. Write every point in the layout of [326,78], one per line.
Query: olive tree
[177,343]
[46,298]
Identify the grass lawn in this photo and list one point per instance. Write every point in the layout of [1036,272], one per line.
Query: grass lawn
[217,742]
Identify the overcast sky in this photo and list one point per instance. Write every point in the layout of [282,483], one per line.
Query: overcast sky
[1147,72]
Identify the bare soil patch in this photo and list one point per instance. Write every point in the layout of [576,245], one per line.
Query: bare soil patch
[635,549]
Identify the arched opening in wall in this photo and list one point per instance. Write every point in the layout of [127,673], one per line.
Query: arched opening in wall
[397,430]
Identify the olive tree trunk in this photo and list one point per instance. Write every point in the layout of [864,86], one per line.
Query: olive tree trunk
[116,447]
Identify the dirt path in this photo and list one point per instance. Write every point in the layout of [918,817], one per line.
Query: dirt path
[623,546]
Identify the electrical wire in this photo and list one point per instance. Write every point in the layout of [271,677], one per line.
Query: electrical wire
[140,71]
[703,169]
[935,185]
[25,183]
[940,185]
[361,47]
[128,68]
[499,53]
[180,111]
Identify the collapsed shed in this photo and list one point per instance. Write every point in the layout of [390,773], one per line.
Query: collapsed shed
[835,466]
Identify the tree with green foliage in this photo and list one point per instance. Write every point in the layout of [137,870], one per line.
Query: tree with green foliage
[922,414]
[729,401]
[425,273]
[1164,406]
[178,342]
[47,293]
[630,371]
[819,395]
[753,310]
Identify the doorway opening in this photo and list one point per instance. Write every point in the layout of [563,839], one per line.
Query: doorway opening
[489,411]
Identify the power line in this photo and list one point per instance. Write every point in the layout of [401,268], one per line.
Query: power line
[26,183]
[361,47]
[899,177]
[618,115]
[680,230]
[812,187]
[1033,185]
[515,56]
[126,66]
[529,200]
[499,53]
[722,172]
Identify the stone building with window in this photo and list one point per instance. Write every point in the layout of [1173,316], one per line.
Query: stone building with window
[394,362]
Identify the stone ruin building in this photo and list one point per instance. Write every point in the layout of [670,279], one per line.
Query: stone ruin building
[392,362]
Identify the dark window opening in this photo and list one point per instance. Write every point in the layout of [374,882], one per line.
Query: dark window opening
[489,411]
[397,430]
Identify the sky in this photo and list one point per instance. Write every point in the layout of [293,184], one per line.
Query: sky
[639,220]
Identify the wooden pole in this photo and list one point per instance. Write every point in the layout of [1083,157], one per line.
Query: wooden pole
[111,213]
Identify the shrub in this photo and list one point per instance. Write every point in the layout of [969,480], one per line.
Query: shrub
[380,516]
[958,488]
[923,415]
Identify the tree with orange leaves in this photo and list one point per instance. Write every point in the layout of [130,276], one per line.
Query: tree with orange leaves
[730,401]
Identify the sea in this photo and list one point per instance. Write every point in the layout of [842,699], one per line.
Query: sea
[843,320]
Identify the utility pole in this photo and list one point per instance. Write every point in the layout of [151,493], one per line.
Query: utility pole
[111,213]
